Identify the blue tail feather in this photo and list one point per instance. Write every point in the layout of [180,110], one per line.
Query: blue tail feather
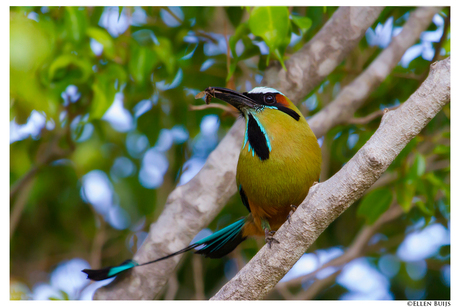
[223,241]
[216,245]
[110,272]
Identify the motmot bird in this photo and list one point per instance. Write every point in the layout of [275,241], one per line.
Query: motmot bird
[280,160]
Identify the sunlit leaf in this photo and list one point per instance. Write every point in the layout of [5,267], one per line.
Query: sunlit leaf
[279,56]
[75,23]
[165,54]
[30,48]
[142,61]
[442,149]
[304,23]
[104,39]
[374,204]
[272,24]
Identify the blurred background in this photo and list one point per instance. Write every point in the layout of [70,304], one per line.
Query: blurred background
[103,127]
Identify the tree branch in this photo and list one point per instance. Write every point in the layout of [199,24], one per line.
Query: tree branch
[353,96]
[368,118]
[216,106]
[356,249]
[327,200]
[321,55]
[194,205]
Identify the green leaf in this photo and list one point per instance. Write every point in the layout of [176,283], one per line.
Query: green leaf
[427,201]
[434,180]
[272,24]
[404,195]
[70,69]
[104,39]
[446,44]
[75,23]
[234,14]
[401,158]
[165,54]
[374,204]
[280,58]
[31,49]
[106,85]
[142,62]
[304,23]
[103,97]
[250,49]
[241,32]
[426,208]
[442,149]
[417,169]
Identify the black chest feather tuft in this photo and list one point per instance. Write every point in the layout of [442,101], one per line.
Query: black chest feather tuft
[257,139]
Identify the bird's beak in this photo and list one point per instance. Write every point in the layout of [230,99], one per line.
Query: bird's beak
[236,99]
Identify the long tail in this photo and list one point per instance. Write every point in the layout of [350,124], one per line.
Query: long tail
[216,245]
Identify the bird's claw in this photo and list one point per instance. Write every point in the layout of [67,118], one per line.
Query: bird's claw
[293,208]
[269,238]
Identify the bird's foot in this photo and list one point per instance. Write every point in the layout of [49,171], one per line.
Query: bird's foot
[293,208]
[269,238]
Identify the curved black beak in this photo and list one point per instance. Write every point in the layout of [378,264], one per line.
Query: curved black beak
[238,100]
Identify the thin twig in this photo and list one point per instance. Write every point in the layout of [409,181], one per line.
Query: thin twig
[98,242]
[355,250]
[172,14]
[198,277]
[354,95]
[207,36]
[409,75]
[366,119]
[173,286]
[317,287]
[214,105]
[50,151]
[20,184]
[20,204]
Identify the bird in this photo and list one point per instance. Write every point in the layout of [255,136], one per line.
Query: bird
[280,159]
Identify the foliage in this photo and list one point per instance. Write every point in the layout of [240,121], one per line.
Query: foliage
[101,128]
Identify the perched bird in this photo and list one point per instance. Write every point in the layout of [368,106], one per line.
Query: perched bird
[280,160]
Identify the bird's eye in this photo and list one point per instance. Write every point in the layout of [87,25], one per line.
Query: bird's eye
[269,98]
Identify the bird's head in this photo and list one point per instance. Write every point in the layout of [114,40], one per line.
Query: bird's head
[270,117]
[255,101]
